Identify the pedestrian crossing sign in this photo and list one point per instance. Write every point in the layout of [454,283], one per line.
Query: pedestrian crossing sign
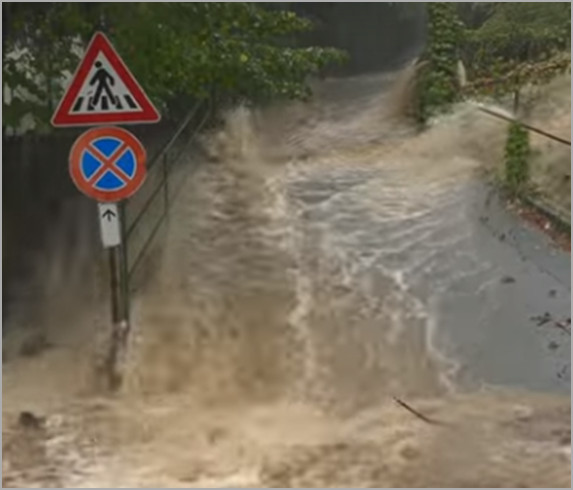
[103,91]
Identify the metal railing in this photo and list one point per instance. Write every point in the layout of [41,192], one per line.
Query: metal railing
[138,232]
[525,125]
[163,163]
[550,210]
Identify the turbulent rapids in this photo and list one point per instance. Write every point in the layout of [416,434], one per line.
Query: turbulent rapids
[324,260]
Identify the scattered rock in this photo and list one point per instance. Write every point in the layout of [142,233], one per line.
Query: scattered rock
[34,345]
[563,372]
[564,325]
[553,345]
[30,421]
[502,237]
[507,280]
[409,452]
[542,319]
[552,293]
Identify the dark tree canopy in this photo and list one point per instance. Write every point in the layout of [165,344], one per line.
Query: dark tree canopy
[174,49]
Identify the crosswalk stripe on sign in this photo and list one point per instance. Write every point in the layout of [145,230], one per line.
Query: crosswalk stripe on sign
[103,91]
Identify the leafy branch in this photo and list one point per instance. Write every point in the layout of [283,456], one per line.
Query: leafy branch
[239,50]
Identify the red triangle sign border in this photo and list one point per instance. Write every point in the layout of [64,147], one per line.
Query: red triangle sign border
[63,116]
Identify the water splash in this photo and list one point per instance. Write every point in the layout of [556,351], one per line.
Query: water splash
[295,294]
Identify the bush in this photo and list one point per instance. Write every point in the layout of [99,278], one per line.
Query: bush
[437,87]
[517,152]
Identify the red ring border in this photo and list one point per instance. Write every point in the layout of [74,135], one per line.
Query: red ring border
[82,144]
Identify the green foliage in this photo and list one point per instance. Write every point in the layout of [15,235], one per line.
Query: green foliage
[519,43]
[37,50]
[525,28]
[474,14]
[509,46]
[173,49]
[517,152]
[438,83]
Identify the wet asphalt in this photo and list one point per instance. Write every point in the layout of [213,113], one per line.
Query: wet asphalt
[492,288]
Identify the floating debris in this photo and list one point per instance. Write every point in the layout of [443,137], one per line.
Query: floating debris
[542,319]
[564,325]
[507,280]
[28,420]
[415,412]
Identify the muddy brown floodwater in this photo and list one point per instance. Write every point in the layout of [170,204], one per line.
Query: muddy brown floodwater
[325,261]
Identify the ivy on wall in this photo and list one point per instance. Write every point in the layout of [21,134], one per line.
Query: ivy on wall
[517,151]
[437,85]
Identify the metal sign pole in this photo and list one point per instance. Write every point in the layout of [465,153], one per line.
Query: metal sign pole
[108,165]
[124,273]
[112,222]
[112,371]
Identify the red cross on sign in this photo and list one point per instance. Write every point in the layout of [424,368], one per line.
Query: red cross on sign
[107,164]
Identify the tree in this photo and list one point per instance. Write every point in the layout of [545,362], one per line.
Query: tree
[518,44]
[516,158]
[437,86]
[40,44]
[191,49]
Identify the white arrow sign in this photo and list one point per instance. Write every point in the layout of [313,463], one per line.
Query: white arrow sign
[109,224]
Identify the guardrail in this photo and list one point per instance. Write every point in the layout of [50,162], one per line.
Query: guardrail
[544,207]
[161,163]
[525,125]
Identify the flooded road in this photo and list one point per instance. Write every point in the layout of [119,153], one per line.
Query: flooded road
[327,260]
[448,256]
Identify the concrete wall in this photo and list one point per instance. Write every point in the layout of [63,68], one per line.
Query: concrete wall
[39,199]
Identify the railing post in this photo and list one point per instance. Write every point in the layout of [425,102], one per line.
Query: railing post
[165,184]
[162,160]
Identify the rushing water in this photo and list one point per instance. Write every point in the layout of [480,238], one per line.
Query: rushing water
[325,260]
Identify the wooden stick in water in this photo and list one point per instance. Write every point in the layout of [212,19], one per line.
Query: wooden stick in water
[413,411]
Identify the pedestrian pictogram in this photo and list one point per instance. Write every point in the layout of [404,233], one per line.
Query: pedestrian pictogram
[103,91]
[107,164]
[103,82]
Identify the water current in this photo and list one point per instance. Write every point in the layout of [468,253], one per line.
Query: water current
[326,259]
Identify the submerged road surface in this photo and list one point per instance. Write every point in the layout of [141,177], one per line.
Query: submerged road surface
[326,261]
[447,254]
[421,245]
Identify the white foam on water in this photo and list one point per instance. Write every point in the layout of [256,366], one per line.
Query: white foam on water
[276,329]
